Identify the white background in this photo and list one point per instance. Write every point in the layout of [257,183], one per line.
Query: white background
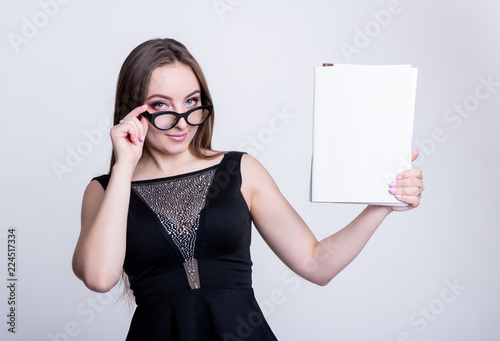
[57,87]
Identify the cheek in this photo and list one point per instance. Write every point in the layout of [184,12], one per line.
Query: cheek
[152,133]
[192,133]
[154,137]
[194,130]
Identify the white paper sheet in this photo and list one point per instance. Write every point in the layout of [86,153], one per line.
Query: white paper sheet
[363,123]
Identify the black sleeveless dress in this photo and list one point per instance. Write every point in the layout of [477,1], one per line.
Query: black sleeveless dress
[188,257]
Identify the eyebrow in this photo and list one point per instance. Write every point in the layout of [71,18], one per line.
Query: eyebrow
[170,98]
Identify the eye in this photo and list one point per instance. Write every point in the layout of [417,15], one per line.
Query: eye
[159,105]
[192,101]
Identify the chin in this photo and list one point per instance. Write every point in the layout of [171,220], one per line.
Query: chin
[175,149]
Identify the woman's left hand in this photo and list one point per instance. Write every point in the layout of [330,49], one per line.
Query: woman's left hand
[408,187]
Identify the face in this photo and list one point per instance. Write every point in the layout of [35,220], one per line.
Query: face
[175,88]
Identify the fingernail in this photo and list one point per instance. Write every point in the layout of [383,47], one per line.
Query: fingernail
[143,137]
[392,184]
[144,106]
[398,196]
[399,177]
[136,141]
[392,190]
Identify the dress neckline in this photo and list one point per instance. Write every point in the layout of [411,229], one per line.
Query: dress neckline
[182,175]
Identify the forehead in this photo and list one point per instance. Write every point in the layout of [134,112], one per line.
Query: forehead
[173,80]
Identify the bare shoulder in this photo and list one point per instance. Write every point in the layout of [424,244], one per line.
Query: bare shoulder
[252,171]
[92,200]
[256,180]
[94,189]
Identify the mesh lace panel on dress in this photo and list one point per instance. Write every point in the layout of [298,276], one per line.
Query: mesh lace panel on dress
[178,203]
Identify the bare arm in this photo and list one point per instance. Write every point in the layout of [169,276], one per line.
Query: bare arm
[292,240]
[100,250]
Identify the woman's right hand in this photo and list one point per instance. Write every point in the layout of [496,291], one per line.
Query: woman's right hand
[128,137]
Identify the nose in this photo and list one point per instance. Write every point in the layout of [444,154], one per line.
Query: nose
[181,123]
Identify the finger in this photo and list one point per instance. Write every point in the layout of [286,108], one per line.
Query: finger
[134,131]
[415,191]
[409,182]
[145,126]
[140,129]
[133,125]
[136,112]
[410,173]
[128,129]
[414,154]
[411,200]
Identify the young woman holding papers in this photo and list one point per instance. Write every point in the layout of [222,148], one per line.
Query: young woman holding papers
[176,216]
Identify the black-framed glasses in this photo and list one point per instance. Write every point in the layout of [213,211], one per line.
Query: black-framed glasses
[165,120]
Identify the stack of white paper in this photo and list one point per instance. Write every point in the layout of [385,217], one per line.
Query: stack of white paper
[363,122]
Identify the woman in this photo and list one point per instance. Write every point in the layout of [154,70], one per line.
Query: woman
[176,215]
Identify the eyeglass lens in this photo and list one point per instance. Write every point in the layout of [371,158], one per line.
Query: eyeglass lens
[166,121]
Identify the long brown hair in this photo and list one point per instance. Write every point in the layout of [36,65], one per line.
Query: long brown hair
[134,78]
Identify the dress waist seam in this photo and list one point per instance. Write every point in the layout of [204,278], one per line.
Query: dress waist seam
[200,291]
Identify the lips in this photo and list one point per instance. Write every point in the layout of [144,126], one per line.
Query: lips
[177,137]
